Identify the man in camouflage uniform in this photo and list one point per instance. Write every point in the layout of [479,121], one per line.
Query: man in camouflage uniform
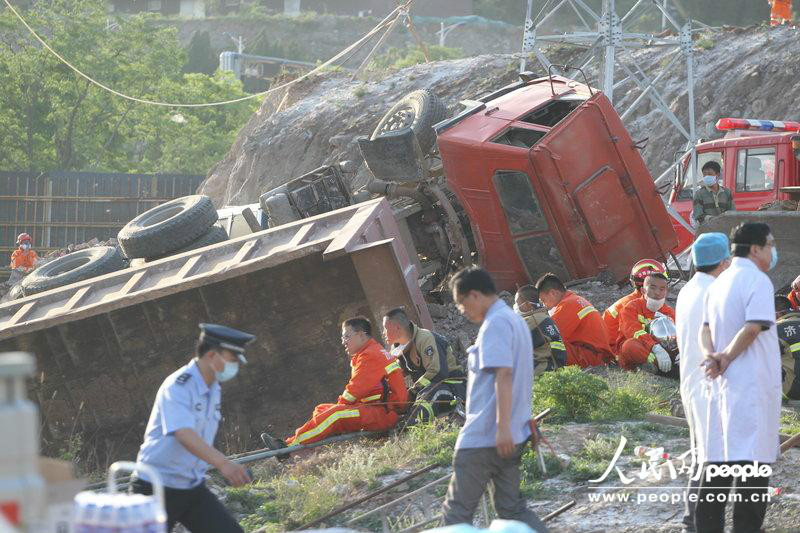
[788,327]
[438,381]
[549,352]
[711,199]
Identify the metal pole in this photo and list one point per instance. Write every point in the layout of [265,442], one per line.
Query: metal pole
[664,16]
[609,17]
[528,36]
[441,34]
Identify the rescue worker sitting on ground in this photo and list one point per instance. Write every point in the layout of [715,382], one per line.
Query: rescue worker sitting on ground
[549,352]
[794,294]
[611,315]
[637,345]
[24,257]
[780,12]
[372,400]
[428,359]
[712,198]
[580,324]
[788,328]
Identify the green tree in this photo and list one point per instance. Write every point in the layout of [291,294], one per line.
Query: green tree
[52,119]
[200,56]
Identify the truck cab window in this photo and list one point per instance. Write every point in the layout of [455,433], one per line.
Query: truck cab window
[519,137]
[755,170]
[519,202]
[552,112]
[687,192]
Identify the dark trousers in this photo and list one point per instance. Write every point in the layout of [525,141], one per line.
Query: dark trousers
[689,508]
[197,509]
[473,470]
[748,512]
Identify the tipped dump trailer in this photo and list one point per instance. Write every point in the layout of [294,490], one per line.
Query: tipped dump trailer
[105,344]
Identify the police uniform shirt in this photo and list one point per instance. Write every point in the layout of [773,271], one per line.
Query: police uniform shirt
[183,401]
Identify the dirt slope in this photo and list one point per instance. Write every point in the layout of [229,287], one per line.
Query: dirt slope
[746,73]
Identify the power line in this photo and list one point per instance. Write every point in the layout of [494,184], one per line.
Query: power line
[88,78]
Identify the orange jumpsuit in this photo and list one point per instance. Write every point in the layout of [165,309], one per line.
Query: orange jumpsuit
[634,341]
[582,331]
[794,297]
[376,377]
[781,12]
[611,318]
[23,259]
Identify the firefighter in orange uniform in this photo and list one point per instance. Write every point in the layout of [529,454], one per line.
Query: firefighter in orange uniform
[781,12]
[637,345]
[580,324]
[611,315]
[794,294]
[24,257]
[376,378]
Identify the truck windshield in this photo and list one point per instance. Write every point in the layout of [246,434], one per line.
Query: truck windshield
[755,170]
[518,201]
[552,112]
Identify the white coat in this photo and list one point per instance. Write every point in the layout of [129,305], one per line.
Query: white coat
[750,388]
[699,404]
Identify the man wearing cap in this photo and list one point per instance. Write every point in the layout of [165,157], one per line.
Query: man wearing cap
[710,256]
[178,441]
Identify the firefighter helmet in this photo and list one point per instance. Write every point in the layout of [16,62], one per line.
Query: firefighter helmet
[644,268]
[23,237]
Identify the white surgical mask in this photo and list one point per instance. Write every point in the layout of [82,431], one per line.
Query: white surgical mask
[653,304]
[26,246]
[228,373]
[708,181]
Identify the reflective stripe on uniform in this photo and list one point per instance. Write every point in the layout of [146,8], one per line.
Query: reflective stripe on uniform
[643,320]
[585,311]
[338,415]
[613,311]
[423,381]
[454,380]
[349,397]
[639,333]
[371,398]
[794,347]
[557,345]
[391,367]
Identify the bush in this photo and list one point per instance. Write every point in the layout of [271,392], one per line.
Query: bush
[397,58]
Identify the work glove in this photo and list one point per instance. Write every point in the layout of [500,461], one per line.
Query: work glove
[661,358]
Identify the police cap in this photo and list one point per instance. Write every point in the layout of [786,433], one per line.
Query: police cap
[227,338]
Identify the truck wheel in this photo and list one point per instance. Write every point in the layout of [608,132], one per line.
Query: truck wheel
[418,110]
[214,235]
[77,266]
[168,227]
[16,292]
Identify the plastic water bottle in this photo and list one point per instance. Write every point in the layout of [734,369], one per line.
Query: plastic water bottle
[84,513]
[106,522]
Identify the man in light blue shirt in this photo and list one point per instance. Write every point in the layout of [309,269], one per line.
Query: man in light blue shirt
[499,389]
[179,438]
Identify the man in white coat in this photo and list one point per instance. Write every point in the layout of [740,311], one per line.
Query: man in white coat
[710,256]
[742,353]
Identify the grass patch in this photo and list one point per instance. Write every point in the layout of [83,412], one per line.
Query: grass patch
[342,472]
[790,422]
[593,459]
[531,476]
[705,43]
[578,396]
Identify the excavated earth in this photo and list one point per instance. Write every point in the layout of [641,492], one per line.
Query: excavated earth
[739,73]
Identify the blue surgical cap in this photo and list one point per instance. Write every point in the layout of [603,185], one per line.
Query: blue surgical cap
[710,249]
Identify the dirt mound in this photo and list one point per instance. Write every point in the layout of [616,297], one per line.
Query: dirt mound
[739,73]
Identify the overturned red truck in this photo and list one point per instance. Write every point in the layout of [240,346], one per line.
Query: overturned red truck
[538,176]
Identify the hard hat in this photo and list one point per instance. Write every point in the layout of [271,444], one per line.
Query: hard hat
[644,268]
[796,283]
[23,237]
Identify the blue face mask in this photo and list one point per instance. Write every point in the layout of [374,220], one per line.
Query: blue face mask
[228,373]
[774,260]
[708,180]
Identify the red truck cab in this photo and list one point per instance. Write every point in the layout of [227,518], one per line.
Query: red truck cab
[758,166]
[552,182]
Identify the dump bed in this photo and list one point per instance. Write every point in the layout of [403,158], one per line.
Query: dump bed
[104,345]
[552,182]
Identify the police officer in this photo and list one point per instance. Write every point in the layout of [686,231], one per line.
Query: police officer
[178,441]
[788,326]
[549,352]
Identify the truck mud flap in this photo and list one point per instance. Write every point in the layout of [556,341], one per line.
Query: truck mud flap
[104,345]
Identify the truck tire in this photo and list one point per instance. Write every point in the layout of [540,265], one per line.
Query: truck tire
[77,266]
[418,110]
[214,235]
[16,292]
[168,227]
